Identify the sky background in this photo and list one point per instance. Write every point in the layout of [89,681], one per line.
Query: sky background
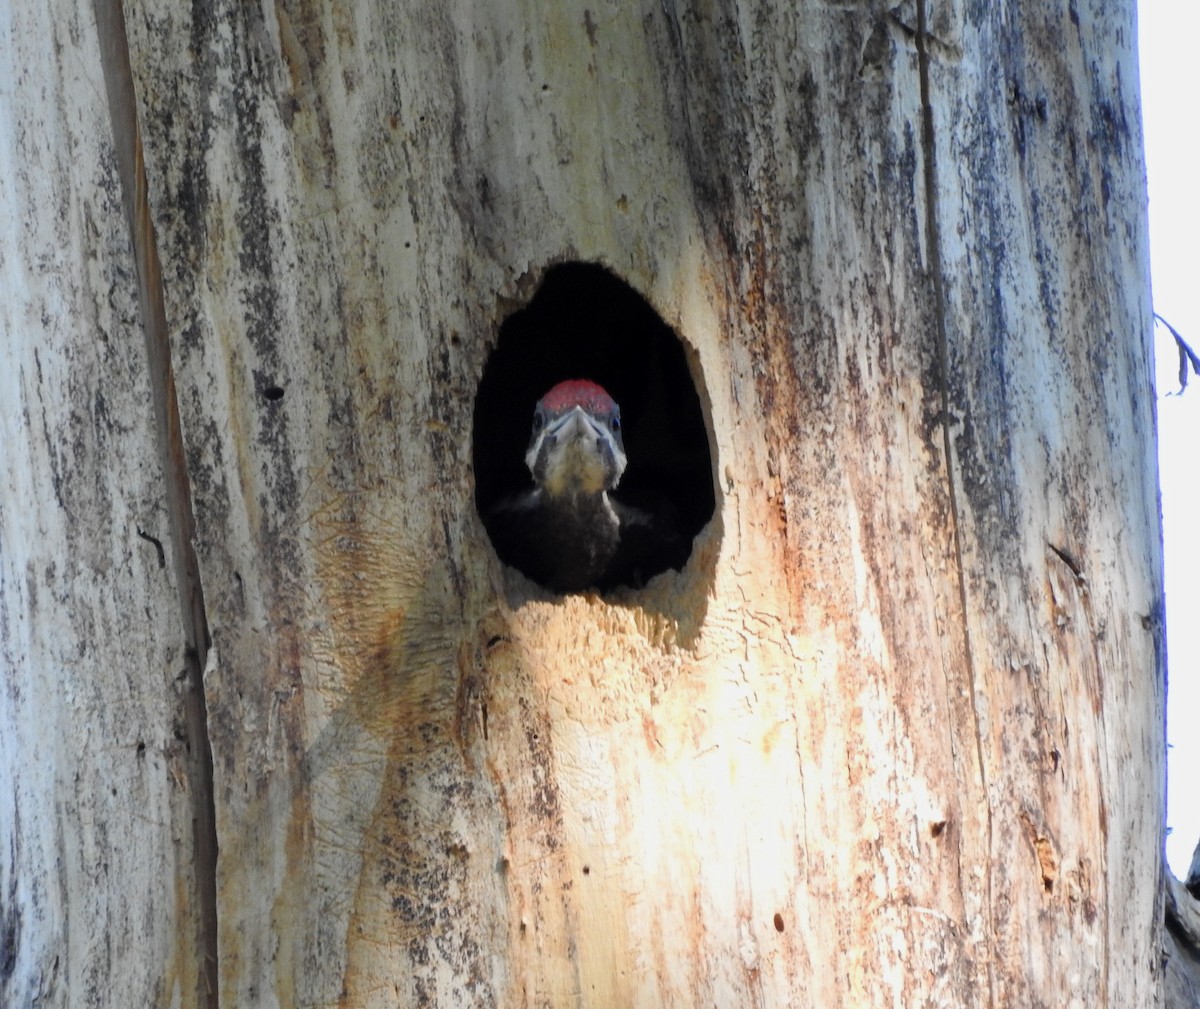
[1167,32]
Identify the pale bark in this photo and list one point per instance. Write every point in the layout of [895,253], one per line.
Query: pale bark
[98,872]
[1181,989]
[894,736]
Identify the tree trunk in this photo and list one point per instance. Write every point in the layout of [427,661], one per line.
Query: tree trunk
[894,735]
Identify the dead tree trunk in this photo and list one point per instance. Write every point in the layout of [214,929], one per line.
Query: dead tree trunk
[893,736]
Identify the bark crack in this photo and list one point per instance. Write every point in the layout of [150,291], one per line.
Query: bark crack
[934,246]
[127,145]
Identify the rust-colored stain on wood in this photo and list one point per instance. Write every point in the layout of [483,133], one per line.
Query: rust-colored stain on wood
[434,784]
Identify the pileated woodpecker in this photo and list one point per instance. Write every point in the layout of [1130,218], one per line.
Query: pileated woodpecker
[570,531]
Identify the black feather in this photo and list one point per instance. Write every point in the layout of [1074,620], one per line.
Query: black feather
[568,545]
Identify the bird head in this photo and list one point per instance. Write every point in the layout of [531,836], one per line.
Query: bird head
[576,449]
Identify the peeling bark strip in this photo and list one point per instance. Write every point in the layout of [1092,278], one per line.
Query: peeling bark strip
[122,103]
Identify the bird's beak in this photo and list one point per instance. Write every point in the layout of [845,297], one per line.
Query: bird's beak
[576,424]
[576,454]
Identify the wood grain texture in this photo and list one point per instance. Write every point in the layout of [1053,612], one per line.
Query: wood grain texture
[177,493]
[1181,946]
[96,875]
[894,736]
[878,698]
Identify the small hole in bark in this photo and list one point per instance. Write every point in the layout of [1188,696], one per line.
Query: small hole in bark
[586,323]
[936,829]
[587,869]
[141,749]
[778,922]
[273,393]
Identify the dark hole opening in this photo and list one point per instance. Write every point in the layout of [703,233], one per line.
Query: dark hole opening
[586,323]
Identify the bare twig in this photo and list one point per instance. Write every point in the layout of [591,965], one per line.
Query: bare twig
[1186,355]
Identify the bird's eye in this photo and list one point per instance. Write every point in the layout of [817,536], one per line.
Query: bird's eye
[615,423]
[538,420]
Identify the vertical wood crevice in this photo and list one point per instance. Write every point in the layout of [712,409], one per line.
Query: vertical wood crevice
[127,146]
[933,243]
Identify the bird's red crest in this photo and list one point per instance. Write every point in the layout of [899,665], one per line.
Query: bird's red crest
[578,392]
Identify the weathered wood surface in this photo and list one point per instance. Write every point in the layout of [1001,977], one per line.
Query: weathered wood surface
[1181,989]
[895,735]
[96,810]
